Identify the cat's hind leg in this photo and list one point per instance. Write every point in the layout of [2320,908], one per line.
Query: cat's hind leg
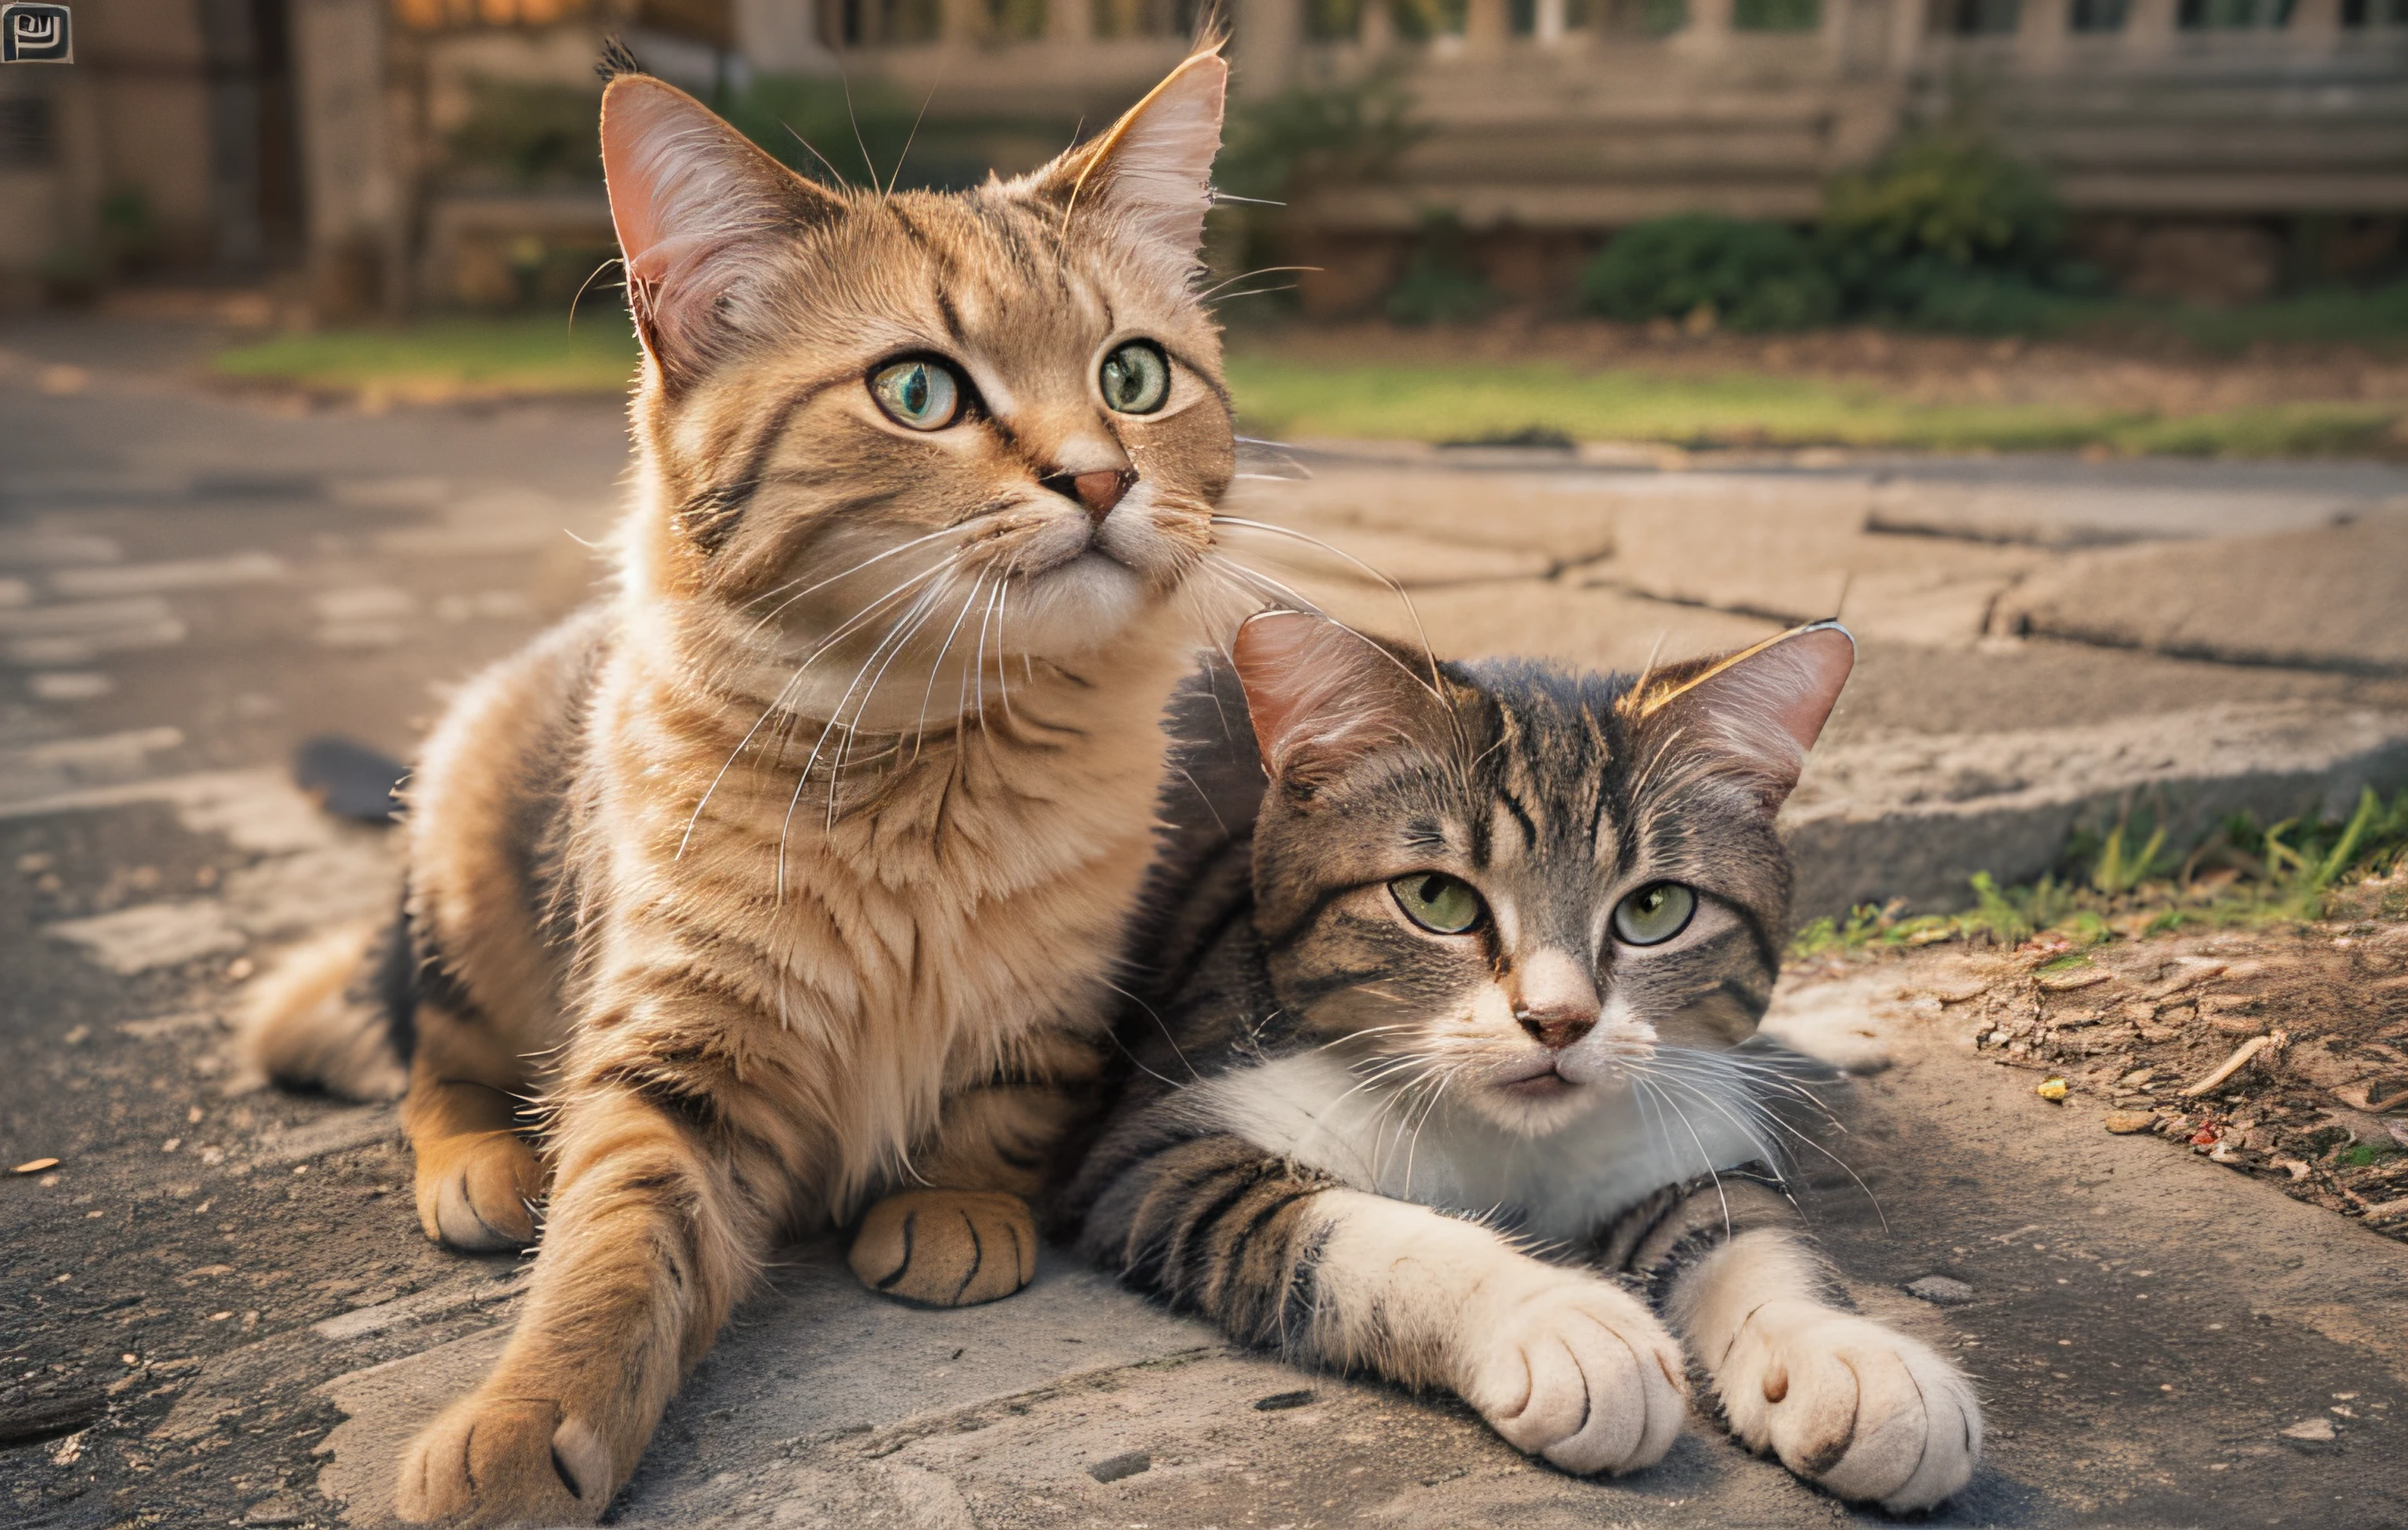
[968,1237]
[1859,1409]
[478,1179]
[946,1247]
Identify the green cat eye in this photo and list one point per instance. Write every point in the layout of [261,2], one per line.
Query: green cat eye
[1436,902]
[1654,914]
[1136,378]
[920,393]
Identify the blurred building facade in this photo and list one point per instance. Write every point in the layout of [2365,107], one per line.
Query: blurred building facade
[337,141]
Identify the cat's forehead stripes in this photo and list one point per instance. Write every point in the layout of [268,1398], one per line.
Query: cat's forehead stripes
[1540,779]
[996,278]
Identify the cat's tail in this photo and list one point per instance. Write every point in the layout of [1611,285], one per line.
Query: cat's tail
[314,1022]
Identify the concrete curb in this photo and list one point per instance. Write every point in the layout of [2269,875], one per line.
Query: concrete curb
[1915,815]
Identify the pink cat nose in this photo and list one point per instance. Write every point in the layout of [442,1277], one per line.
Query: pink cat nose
[1099,491]
[1556,1028]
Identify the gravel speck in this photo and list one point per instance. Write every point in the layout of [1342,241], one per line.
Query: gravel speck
[1941,1290]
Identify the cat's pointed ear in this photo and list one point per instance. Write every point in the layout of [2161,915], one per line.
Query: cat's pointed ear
[700,210]
[1758,710]
[1154,167]
[1322,696]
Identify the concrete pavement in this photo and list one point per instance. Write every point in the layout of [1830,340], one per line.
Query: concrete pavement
[191,585]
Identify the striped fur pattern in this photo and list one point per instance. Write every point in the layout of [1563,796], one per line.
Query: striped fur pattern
[1537,1161]
[788,881]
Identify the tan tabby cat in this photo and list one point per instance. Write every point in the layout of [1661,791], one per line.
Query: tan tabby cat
[792,874]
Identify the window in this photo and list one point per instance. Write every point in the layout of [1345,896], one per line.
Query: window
[1642,18]
[1332,21]
[1145,18]
[1019,20]
[1976,18]
[444,15]
[2223,15]
[25,141]
[1776,15]
[2098,15]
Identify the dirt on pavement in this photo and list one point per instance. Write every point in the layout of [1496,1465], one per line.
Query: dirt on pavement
[2280,1051]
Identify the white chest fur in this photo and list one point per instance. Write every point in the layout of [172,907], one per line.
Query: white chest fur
[1563,1184]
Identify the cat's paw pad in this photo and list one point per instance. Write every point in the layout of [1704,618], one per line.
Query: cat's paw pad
[1582,1375]
[504,1461]
[1862,1411]
[476,1193]
[947,1248]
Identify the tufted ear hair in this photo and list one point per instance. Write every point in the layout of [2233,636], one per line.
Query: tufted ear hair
[1754,713]
[1322,696]
[700,210]
[1154,167]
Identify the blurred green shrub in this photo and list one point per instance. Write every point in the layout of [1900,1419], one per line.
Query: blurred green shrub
[1947,196]
[529,133]
[1441,285]
[1285,143]
[1279,148]
[863,135]
[1945,232]
[1745,275]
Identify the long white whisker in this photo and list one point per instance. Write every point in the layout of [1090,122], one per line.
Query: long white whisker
[846,574]
[1160,1024]
[785,829]
[1404,599]
[1002,647]
[937,665]
[778,702]
[1704,1157]
[922,610]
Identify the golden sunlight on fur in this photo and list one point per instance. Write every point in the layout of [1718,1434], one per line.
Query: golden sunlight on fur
[790,876]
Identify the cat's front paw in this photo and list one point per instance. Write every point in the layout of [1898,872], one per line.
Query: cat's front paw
[1579,1373]
[1858,1410]
[504,1461]
[947,1248]
[477,1192]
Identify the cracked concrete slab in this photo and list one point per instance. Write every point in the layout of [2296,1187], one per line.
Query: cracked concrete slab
[1771,556]
[812,1358]
[2335,597]
[1565,518]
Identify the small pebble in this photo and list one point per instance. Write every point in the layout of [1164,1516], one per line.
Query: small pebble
[1116,1467]
[35,1166]
[1941,1290]
[2125,1122]
[1278,1400]
[2050,1089]
[2309,1429]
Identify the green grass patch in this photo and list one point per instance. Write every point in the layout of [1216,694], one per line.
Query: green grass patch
[1279,397]
[447,358]
[2126,885]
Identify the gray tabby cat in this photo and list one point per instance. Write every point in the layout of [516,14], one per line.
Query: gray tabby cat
[1437,1069]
